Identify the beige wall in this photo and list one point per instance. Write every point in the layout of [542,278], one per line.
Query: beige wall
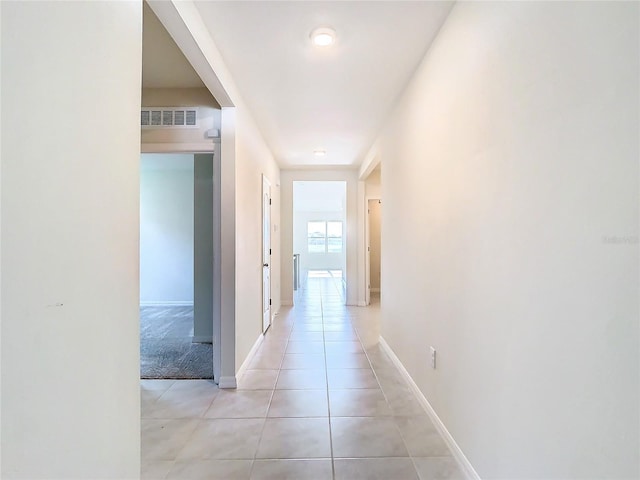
[373,190]
[253,158]
[511,202]
[70,206]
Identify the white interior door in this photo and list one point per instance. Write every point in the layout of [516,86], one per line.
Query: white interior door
[266,253]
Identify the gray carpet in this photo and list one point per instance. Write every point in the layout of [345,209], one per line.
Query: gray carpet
[166,350]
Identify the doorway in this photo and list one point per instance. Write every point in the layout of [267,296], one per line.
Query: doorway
[374,212]
[319,234]
[176,272]
[266,254]
[373,235]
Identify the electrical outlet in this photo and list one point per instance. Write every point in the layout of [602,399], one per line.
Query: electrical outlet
[433,357]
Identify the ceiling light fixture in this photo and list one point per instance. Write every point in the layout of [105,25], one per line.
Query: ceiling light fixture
[323,36]
[319,153]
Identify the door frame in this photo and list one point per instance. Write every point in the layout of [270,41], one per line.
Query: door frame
[265,201]
[180,26]
[367,246]
[213,149]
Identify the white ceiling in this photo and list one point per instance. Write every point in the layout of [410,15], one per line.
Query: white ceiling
[305,98]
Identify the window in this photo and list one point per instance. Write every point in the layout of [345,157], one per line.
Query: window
[324,237]
[317,237]
[334,237]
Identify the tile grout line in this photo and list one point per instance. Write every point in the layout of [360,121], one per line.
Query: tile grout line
[273,391]
[328,307]
[326,376]
[199,422]
[326,386]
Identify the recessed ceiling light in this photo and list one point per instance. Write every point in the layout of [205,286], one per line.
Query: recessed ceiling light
[319,153]
[323,36]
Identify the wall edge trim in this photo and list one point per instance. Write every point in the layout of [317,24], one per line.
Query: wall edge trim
[227,382]
[468,470]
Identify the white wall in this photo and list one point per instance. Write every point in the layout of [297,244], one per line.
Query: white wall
[351,232]
[70,205]
[253,158]
[518,141]
[166,229]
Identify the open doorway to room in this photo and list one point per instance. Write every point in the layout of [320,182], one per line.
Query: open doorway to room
[373,236]
[374,211]
[176,244]
[319,228]
[180,214]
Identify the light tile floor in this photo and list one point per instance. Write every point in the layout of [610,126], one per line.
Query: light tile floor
[321,400]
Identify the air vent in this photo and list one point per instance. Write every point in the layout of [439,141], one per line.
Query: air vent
[169,117]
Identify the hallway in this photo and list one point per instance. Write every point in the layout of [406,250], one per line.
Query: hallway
[320,400]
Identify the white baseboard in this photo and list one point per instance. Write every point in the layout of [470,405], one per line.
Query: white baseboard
[227,382]
[201,339]
[171,303]
[457,453]
[250,355]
